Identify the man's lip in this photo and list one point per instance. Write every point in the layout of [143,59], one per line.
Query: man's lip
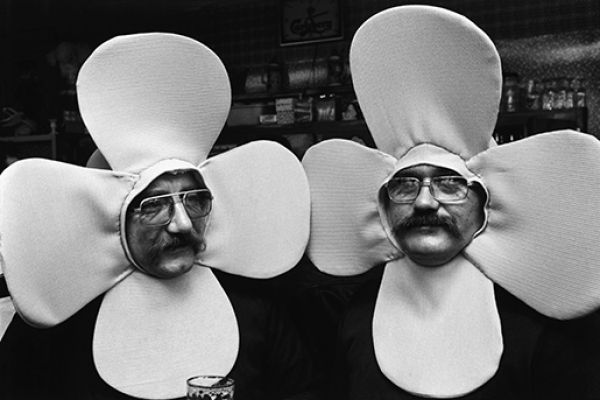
[175,249]
[427,227]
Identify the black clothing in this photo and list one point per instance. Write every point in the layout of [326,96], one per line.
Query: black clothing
[542,359]
[57,363]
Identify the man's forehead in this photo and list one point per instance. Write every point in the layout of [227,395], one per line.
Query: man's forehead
[426,170]
[174,181]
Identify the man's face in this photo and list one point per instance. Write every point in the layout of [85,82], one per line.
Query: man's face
[429,232]
[168,250]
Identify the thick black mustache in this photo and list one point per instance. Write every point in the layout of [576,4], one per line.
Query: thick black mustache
[427,220]
[172,242]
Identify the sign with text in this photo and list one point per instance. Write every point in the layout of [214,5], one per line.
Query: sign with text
[309,21]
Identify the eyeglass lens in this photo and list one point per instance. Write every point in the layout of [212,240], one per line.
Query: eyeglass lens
[442,188]
[159,210]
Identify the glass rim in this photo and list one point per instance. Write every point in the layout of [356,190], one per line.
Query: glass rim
[223,382]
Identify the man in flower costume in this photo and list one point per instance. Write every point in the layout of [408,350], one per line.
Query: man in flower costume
[482,250]
[139,273]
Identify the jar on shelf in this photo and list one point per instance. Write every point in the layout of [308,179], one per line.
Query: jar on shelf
[570,94]
[511,92]
[560,98]
[335,69]
[533,91]
[579,93]
[274,77]
[549,94]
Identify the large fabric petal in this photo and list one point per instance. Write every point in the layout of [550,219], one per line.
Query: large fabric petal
[146,97]
[60,242]
[541,240]
[426,75]
[347,235]
[7,312]
[436,331]
[260,222]
[152,334]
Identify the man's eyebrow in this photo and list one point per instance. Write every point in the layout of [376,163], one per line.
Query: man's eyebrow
[153,192]
[159,192]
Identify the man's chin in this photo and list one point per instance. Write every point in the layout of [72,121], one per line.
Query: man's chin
[429,246]
[175,262]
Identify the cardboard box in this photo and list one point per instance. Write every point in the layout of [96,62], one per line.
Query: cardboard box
[246,114]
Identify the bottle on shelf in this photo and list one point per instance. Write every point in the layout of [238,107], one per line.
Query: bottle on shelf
[532,95]
[579,93]
[560,98]
[570,93]
[511,92]
[549,94]
[335,69]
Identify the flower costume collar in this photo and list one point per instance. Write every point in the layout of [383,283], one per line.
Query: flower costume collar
[429,83]
[152,103]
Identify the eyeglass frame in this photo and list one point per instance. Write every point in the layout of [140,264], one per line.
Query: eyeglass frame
[427,182]
[181,197]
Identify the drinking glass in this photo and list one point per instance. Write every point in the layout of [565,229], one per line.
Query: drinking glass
[210,387]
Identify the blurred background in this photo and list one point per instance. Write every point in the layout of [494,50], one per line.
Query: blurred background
[288,64]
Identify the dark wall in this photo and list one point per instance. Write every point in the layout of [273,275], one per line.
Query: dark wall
[248,34]
[244,33]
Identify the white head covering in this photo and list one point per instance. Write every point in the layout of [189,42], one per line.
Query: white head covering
[153,103]
[429,82]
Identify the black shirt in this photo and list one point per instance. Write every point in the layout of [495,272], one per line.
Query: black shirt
[57,363]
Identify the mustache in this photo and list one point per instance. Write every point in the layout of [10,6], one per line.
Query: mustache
[415,221]
[194,240]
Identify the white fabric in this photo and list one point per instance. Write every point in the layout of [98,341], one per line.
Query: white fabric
[60,236]
[436,331]
[260,222]
[541,242]
[7,312]
[428,82]
[147,96]
[151,334]
[424,74]
[347,236]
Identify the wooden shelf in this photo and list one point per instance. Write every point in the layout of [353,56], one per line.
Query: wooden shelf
[69,147]
[320,130]
[510,126]
[296,93]
[28,138]
[518,125]
[49,137]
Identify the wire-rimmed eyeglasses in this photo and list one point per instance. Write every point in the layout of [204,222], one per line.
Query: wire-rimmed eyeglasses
[445,189]
[159,210]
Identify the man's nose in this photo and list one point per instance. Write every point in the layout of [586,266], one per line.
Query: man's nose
[425,200]
[180,222]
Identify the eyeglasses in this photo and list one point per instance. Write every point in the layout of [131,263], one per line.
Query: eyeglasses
[445,189]
[159,210]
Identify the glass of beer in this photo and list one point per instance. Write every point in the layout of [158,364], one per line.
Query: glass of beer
[210,387]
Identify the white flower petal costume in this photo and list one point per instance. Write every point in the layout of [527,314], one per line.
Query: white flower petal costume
[153,103]
[429,83]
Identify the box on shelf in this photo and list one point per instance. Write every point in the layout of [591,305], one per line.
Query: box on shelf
[247,114]
[303,110]
[284,108]
[290,110]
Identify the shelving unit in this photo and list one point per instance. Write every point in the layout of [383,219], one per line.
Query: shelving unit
[24,143]
[67,147]
[76,148]
[297,93]
[518,125]
[509,127]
